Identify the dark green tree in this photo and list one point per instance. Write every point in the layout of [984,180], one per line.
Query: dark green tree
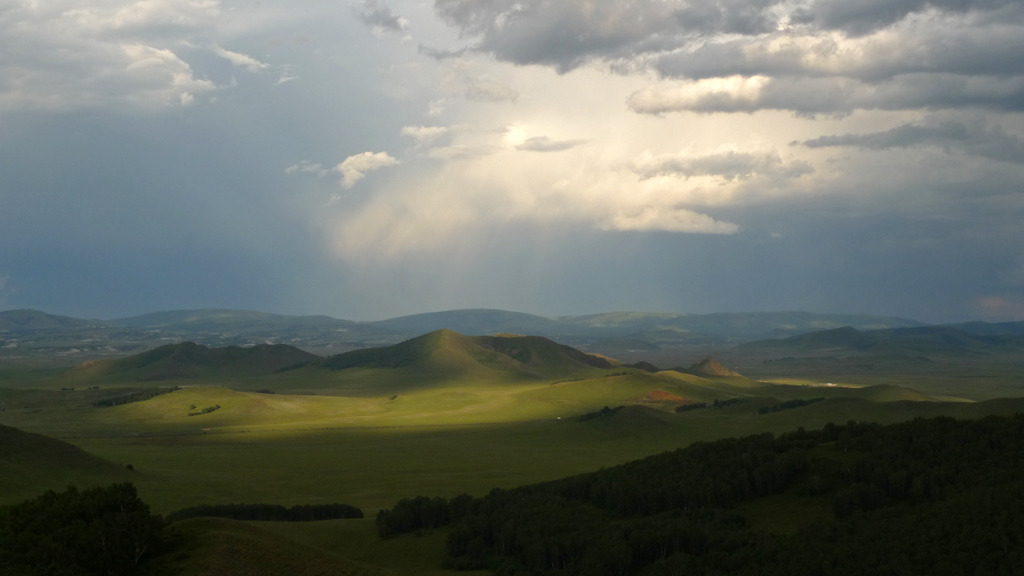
[99,531]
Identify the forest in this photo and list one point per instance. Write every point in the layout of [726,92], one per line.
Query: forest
[929,496]
[99,531]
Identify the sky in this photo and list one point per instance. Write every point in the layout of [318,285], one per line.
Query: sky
[367,159]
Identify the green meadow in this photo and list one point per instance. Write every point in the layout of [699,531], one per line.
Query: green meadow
[439,421]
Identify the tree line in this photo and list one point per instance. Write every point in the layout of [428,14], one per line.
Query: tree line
[110,531]
[137,396]
[269,512]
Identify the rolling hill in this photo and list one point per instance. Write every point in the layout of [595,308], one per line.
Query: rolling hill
[442,357]
[445,355]
[709,366]
[190,360]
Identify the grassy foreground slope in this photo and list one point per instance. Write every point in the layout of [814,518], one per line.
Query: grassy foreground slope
[29,461]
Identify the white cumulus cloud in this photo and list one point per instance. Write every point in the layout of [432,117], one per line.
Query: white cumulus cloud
[354,168]
[425,134]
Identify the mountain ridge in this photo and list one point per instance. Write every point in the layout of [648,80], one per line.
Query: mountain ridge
[28,334]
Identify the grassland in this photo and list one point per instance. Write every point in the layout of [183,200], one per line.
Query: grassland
[368,436]
[464,437]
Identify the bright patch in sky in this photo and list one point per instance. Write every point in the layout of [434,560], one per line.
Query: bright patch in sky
[373,158]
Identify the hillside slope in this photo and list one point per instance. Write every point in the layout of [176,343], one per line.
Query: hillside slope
[24,321]
[190,360]
[447,356]
[31,463]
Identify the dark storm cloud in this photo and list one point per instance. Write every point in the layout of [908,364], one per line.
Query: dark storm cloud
[566,34]
[993,143]
[745,17]
[900,55]
[861,17]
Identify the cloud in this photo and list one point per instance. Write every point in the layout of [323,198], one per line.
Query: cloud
[486,88]
[436,107]
[307,167]
[378,16]
[1000,308]
[564,34]
[461,152]
[482,183]
[858,18]
[354,168]
[241,60]
[828,57]
[158,76]
[746,17]
[732,94]
[668,219]
[439,54]
[729,166]
[829,96]
[162,16]
[635,123]
[425,134]
[63,56]
[545,144]
[976,139]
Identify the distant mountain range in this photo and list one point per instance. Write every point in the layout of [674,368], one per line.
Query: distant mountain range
[917,341]
[31,335]
[28,334]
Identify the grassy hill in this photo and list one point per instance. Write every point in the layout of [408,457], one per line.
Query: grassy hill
[189,360]
[219,547]
[31,463]
[447,357]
